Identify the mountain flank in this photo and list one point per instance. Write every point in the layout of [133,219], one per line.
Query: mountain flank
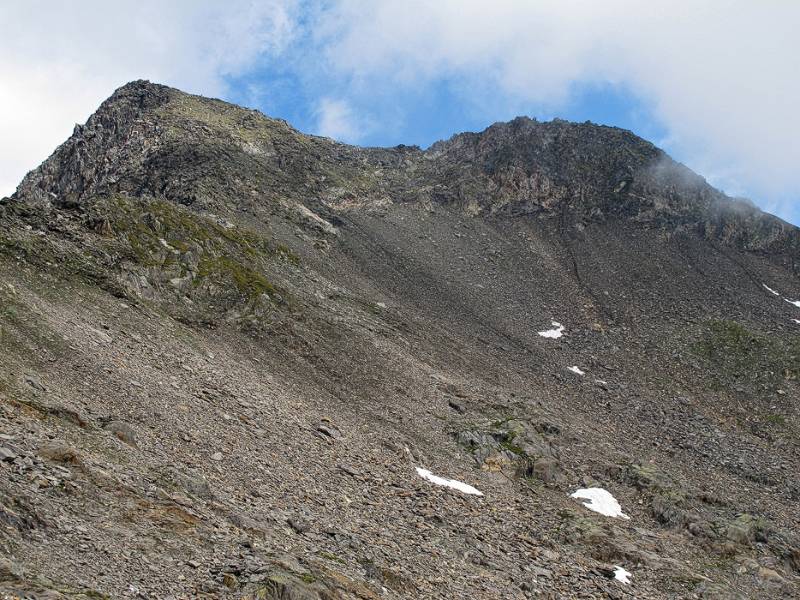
[539,361]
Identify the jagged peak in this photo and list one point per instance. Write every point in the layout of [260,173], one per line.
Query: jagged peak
[133,97]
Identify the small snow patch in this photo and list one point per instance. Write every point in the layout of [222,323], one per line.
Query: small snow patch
[770,290]
[553,333]
[621,574]
[576,370]
[796,321]
[601,501]
[795,302]
[451,483]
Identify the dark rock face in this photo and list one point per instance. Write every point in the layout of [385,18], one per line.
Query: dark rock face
[113,139]
[585,172]
[244,362]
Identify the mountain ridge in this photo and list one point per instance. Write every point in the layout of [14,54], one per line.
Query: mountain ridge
[523,159]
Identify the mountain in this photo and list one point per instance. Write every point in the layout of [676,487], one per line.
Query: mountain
[240,361]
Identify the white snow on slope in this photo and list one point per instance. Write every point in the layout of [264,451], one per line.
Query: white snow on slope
[576,370]
[795,302]
[553,333]
[601,501]
[451,483]
[770,290]
[621,574]
[796,321]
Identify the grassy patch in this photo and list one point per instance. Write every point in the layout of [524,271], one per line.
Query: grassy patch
[174,242]
[329,556]
[506,441]
[738,354]
[775,419]
[146,223]
[250,283]
[729,340]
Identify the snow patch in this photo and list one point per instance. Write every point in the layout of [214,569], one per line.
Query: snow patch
[553,333]
[796,321]
[770,290]
[576,370]
[601,501]
[621,574]
[795,302]
[451,483]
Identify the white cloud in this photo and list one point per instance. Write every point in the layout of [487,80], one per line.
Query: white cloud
[721,75]
[59,60]
[335,119]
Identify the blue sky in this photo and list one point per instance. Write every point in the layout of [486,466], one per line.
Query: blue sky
[422,117]
[713,83]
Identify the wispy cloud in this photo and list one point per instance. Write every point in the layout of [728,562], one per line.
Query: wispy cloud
[335,119]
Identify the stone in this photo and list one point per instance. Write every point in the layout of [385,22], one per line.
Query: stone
[193,483]
[547,470]
[748,564]
[284,586]
[702,529]
[101,336]
[744,529]
[298,524]
[770,576]
[7,454]
[35,383]
[124,432]
[666,508]
[59,452]
[217,456]
[541,572]
[457,406]
[353,472]
[9,570]
[329,430]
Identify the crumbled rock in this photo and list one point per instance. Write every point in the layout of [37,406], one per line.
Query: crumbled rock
[59,452]
[7,454]
[35,383]
[122,431]
[329,430]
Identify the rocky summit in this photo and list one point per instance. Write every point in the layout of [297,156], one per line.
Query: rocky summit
[539,361]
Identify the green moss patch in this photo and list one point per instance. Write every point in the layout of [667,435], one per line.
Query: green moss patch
[737,354]
[173,242]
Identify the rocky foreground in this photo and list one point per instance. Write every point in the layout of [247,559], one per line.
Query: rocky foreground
[243,362]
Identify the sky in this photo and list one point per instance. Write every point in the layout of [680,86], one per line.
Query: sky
[714,83]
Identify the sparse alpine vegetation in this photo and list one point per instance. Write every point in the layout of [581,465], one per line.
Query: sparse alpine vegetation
[737,355]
